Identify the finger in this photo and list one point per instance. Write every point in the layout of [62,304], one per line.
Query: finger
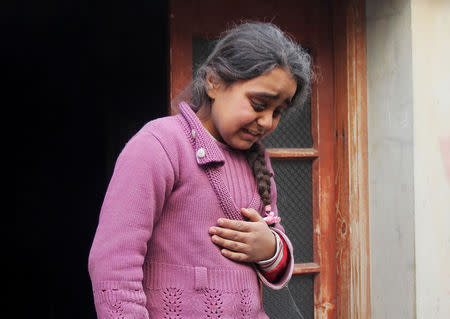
[238,225]
[251,214]
[229,244]
[228,234]
[240,257]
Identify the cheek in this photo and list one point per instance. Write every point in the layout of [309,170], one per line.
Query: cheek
[236,115]
[226,124]
[240,116]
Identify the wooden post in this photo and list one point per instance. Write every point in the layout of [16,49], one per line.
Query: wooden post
[352,214]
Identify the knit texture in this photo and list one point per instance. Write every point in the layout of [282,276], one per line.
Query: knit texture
[152,255]
[237,175]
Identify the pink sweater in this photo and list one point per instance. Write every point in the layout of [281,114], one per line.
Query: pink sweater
[152,256]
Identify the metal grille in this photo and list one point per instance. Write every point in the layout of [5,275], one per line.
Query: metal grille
[296,301]
[294,129]
[294,188]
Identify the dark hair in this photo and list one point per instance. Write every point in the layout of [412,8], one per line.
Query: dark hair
[246,52]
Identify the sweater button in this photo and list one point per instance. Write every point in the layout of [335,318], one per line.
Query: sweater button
[193,133]
[201,153]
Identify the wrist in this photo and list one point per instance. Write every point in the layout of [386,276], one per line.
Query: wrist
[274,270]
[277,246]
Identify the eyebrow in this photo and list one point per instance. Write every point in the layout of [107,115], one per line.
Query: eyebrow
[270,96]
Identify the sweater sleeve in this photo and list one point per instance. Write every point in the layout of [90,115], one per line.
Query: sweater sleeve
[286,274]
[143,178]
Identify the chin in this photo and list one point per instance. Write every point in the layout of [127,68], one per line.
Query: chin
[242,145]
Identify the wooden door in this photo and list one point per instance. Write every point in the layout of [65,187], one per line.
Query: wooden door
[301,148]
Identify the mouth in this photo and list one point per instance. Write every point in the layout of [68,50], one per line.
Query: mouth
[252,133]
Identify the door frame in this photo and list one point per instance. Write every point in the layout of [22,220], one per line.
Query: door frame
[352,187]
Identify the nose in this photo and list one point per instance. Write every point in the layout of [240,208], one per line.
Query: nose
[265,120]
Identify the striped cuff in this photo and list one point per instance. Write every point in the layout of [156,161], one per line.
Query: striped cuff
[270,264]
[274,268]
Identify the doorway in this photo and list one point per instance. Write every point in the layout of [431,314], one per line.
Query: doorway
[302,147]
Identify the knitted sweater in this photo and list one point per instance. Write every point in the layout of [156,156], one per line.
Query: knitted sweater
[152,255]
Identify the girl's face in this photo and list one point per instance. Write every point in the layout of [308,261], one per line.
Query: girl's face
[246,111]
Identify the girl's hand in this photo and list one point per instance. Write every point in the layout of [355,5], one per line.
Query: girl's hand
[244,241]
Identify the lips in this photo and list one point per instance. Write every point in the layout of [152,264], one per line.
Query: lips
[251,134]
[254,133]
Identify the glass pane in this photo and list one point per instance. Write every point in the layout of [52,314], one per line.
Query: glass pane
[294,188]
[296,301]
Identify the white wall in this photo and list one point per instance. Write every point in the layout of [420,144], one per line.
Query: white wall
[430,22]
[391,163]
[408,82]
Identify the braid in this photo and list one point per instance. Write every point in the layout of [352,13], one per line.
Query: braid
[257,161]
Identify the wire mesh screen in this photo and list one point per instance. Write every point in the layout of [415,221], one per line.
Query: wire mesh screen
[296,301]
[294,188]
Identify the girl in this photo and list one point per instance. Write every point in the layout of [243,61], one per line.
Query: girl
[182,232]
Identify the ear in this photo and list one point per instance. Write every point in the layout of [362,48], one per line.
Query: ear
[213,83]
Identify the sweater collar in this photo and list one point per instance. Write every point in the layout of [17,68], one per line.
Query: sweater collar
[205,147]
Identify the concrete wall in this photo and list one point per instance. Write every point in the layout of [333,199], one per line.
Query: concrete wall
[391,163]
[430,21]
[408,81]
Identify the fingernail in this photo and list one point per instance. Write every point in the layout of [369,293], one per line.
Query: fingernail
[220,221]
[212,230]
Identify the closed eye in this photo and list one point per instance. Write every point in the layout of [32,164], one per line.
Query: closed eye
[257,106]
[261,107]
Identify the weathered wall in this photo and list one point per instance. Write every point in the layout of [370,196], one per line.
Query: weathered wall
[391,164]
[430,21]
